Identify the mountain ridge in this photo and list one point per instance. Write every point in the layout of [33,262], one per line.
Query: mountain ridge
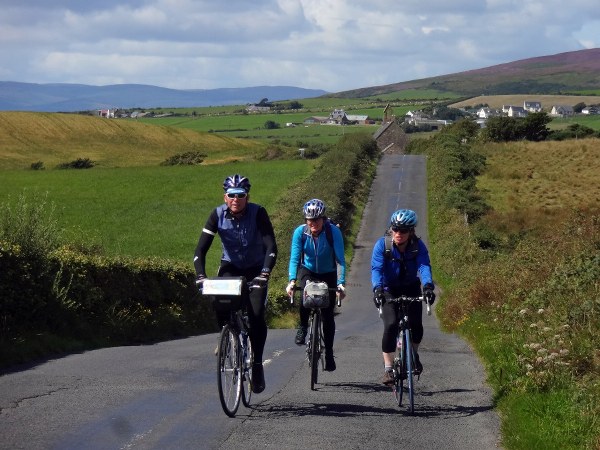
[65,97]
[561,73]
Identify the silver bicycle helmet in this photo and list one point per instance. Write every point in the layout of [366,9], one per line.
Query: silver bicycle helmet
[313,209]
[404,218]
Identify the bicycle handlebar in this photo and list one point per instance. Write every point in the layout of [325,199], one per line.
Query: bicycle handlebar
[337,294]
[405,298]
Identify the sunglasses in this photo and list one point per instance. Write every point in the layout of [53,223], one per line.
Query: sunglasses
[403,230]
[237,195]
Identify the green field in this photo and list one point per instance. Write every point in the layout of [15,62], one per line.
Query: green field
[146,211]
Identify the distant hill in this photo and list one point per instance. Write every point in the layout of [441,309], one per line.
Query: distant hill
[562,73]
[15,96]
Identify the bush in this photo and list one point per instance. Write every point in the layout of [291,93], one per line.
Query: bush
[184,159]
[79,163]
[38,165]
[30,224]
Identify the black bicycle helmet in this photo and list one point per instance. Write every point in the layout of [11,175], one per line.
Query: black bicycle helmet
[236,182]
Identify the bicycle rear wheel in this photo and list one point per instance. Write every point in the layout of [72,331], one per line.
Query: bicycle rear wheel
[247,361]
[409,370]
[315,354]
[229,377]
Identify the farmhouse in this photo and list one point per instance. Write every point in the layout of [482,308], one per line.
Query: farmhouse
[315,120]
[108,113]
[516,111]
[589,110]
[486,113]
[561,111]
[533,107]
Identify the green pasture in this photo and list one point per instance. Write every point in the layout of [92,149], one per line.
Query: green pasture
[146,211]
[591,121]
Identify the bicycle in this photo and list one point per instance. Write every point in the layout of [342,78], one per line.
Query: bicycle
[315,296]
[404,361]
[234,355]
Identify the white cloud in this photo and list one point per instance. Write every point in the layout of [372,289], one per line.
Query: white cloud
[329,44]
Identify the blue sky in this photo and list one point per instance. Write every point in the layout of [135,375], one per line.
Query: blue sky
[333,45]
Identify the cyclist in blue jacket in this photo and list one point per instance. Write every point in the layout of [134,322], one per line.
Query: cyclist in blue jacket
[249,250]
[316,252]
[401,269]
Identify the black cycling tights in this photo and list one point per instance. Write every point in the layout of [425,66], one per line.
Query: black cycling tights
[256,308]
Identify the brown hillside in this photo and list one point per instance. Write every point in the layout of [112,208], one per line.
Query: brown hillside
[569,72]
[53,138]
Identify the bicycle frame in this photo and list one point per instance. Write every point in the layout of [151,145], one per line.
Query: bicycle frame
[316,343]
[404,361]
[235,355]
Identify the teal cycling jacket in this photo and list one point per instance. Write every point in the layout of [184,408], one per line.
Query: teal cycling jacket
[315,253]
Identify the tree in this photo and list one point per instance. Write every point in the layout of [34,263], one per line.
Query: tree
[533,127]
[578,107]
[502,129]
[294,104]
[271,125]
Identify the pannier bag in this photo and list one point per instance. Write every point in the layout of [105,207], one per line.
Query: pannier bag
[226,293]
[316,295]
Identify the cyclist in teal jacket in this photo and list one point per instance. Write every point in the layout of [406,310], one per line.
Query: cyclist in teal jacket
[401,269]
[316,252]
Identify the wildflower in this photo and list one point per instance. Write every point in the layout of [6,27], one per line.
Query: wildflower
[533,325]
[539,360]
[541,351]
[541,311]
[546,329]
[523,312]
[564,351]
[535,346]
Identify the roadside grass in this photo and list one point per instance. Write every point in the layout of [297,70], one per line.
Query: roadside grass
[528,176]
[147,211]
[529,299]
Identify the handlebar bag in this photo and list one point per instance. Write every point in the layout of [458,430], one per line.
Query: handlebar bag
[316,295]
[226,293]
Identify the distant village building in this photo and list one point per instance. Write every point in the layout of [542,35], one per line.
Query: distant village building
[257,108]
[486,113]
[561,111]
[589,110]
[108,113]
[532,107]
[315,120]
[391,138]
[516,111]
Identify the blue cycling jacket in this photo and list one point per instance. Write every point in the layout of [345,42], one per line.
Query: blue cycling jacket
[318,254]
[403,269]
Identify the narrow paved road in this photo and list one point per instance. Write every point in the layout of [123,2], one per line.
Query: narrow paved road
[164,396]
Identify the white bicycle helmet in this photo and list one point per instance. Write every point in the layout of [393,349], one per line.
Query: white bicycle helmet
[313,209]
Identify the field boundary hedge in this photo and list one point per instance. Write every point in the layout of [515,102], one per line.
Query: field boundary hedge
[65,299]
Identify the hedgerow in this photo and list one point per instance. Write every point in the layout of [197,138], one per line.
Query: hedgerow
[59,296]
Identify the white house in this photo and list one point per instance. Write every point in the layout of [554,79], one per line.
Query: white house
[516,111]
[589,110]
[486,113]
[533,107]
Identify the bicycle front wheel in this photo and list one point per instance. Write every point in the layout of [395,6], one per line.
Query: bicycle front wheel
[409,370]
[229,374]
[399,374]
[247,361]
[315,354]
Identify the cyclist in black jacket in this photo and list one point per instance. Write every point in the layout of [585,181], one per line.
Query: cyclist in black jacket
[249,250]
